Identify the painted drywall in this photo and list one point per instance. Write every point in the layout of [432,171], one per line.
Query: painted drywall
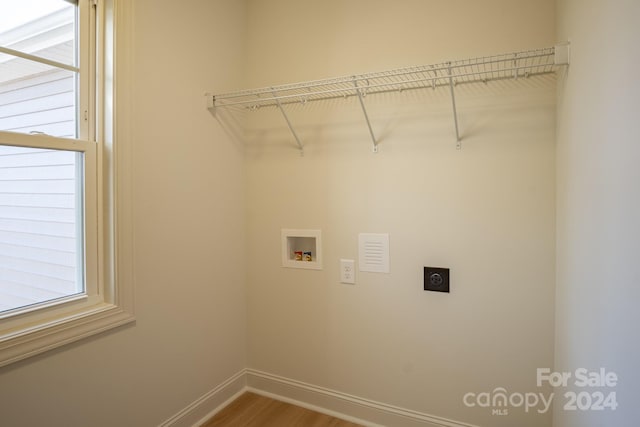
[188,241]
[486,211]
[598,204]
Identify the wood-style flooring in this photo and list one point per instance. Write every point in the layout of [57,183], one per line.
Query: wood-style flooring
[252,410]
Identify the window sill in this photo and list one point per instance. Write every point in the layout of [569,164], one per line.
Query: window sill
[30,341]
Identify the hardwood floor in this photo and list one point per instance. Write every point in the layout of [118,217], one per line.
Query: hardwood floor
[252,410]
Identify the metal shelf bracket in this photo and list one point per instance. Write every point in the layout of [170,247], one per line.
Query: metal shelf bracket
[286,118]
[211,102]
[455,111]
[366,116]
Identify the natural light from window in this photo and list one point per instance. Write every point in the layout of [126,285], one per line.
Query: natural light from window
[41,190]
[24,11]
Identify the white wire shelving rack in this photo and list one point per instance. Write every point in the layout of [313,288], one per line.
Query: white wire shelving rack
[516,65]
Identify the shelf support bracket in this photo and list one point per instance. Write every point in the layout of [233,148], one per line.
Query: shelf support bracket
[211,103]
[455,111]
[366,116]
[286,118]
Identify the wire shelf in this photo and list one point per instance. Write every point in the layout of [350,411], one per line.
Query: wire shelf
[515,65]
[484,69]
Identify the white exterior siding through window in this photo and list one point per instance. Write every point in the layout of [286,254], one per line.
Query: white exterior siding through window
[40,257]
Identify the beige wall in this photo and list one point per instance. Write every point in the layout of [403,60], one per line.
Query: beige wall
[487,211]
[599,203]
[188,237]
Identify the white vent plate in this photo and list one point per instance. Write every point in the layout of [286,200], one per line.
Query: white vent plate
[373,252]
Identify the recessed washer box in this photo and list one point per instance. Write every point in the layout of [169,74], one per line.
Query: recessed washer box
[302,248]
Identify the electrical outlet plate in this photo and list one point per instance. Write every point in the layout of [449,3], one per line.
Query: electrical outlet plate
[436,279]
[347,271]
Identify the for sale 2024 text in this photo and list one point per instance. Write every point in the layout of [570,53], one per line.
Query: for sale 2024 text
[597,395]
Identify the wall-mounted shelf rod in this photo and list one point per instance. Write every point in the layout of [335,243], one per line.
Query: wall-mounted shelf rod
[451,74]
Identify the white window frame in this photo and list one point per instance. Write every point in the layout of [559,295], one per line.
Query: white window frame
[108,300]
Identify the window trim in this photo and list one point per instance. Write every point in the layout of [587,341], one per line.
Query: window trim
[115,270]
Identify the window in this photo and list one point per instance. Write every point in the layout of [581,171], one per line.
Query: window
[57,252]
[43,89]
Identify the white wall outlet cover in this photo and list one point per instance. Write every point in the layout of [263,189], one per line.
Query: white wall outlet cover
[347,271]
[373,252]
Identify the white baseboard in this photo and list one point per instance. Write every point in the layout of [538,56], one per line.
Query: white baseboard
[210,403]
[334,403]
[341,405]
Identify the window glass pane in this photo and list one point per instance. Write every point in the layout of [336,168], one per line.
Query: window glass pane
[41,239]
[44,28]
[35,97]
